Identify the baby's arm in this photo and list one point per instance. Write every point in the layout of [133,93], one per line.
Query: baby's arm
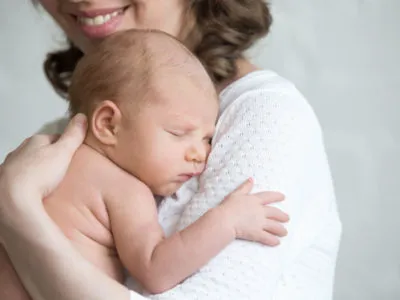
[160,263]
[156,262]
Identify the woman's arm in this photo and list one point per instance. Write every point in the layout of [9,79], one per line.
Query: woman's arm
[50,268]
[44,259]
[274,137]
[10,284]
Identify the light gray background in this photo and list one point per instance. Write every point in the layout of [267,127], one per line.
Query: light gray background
[343,55]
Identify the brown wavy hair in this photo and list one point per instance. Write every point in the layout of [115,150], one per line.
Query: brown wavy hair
[222,31]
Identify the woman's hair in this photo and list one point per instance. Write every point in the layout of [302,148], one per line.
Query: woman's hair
[223,30]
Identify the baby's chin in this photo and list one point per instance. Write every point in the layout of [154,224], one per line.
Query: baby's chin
[168,189]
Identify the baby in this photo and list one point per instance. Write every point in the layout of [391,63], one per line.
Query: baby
[152,110]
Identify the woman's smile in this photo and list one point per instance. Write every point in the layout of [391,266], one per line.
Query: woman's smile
[99,23]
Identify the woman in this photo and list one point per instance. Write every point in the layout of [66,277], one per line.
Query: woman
[266,130]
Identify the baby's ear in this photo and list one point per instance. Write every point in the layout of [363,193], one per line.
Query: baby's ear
[106,122]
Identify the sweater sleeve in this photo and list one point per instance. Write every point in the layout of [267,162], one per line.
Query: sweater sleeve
[274,137]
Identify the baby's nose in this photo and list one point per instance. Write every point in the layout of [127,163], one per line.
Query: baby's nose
[197,154]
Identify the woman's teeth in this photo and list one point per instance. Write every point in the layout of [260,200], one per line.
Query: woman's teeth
[100,19]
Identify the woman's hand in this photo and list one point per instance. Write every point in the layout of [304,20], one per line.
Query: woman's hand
[28,175]
[252,217]
[36,167]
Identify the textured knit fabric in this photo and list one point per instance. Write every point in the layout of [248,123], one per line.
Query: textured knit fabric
[267,131]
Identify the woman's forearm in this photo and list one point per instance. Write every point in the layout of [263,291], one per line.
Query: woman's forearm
[49,266]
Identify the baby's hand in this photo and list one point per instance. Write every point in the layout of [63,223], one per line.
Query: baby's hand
[252,218]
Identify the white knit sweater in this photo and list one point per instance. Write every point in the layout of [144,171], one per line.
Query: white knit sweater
[268,131]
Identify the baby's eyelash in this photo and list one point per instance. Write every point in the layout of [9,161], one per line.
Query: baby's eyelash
[208,139]
[175,133]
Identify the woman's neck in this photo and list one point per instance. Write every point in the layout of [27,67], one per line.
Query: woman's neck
[244,67]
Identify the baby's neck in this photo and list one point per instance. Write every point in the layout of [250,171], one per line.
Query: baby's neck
[91,142]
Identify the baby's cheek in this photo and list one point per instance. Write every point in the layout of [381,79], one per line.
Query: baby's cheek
[166,152]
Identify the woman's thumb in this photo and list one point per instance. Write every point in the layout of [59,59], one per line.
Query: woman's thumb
[74,133]
[245,187]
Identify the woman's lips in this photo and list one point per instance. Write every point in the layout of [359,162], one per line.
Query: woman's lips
[98,12]
[99,23]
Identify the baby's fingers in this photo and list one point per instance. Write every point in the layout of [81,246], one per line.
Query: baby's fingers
[274,213]
[275,228]
[244,188]
[270,197]
[267,239]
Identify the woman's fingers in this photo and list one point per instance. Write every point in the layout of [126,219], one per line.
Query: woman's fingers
[35,141]
[54,138]
[73,135]
[47,155]
[39,140]
[16,150]
[26,141]
[45,139]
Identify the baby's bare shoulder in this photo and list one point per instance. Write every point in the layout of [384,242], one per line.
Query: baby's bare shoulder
[119,185]
[107,177]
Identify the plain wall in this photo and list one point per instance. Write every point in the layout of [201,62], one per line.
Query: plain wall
[343,56]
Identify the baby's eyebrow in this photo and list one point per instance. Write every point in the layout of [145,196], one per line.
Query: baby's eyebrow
[183,122]
[187,126]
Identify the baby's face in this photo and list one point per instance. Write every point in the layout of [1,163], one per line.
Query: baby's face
[168,141]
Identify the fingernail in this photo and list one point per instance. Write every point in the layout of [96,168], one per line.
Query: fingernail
[251,179]
[80,119]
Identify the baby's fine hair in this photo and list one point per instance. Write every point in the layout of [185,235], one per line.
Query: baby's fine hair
[121,68]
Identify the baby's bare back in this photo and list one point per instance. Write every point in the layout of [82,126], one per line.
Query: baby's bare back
[79,209]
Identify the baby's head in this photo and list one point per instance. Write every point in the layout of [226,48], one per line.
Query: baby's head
[152,108]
